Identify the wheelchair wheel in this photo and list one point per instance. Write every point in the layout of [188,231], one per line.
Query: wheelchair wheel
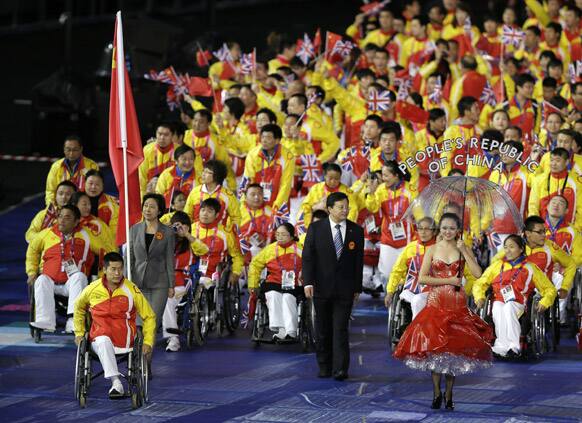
[82,373]
[553,326]
[537,330]
[398,319]
[307,325]
[258,323]
[31,313]
[138,374]
[200,315]
[231,307]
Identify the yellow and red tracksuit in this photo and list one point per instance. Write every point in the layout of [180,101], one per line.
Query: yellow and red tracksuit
[259,222]
[575,164]
[466,43]
[425,141]
[229,205]
[414,51]
[173,179]
[274,173]
[42,220]
[526,116]
[60,171]
[155,160]
[238,141]
[321,191]
[325,142]
[49,250]
[108,211]
[502,273]
[471,83]
[207,147]
[567,238]
[221,244]
[393,203]
[545,186]
[277,62]
[276,258]
[113,313]
[99,229]
[185,259]
[457,156]
[250,118]
[517,182]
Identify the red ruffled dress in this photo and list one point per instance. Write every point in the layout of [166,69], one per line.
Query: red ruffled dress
[446,337]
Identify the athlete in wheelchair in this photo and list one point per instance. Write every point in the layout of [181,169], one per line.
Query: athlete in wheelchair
[516,312]
[177,314]
[113,303]
[216,303]
[58,261]
[287,314]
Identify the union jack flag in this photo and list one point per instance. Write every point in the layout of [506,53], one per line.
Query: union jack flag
[494,240]
[436,95]
[488,95]
[245,246]
[411,282]
[366,151]
[244,183]
[343,48]
[373,8]
[379,101]
[247,63]
[172,100]
[300,225]
[347,165]
[282,215]
[511,36]
[166,76]
[305,49]
[310,168]
[405,85]
[223,54]
[468,27]
[574,71]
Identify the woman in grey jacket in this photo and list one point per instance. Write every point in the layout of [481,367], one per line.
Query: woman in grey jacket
[152,255]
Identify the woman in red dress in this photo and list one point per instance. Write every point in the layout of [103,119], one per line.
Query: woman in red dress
[445,337]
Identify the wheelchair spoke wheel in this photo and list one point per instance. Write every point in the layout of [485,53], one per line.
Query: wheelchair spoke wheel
[82,373]
[200,315]
[231,307]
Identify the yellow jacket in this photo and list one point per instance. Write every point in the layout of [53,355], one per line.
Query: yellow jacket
[43,219]
[277,173]
[275,258]
[221,242]
[320,192]
[114,313]
[155,161]
[230,208]
[491,276]
[59,173]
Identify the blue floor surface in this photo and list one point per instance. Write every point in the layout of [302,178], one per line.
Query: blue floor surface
[230,380]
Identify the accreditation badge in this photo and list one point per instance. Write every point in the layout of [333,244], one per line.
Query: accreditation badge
[70,267]
[288,279]
[508,294]
[397,231]
[267,190]
[203,266]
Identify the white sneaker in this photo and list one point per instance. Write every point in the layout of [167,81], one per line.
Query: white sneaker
[279,335]
[173,344]
[116,390]
[70,326]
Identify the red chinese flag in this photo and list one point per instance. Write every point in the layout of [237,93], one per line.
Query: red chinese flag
[317,41]
[411,112]
[203,58]
[330,42]
[200,86]
[122,110]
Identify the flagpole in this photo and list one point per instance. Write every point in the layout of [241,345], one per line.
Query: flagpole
[123,132]
[501,66]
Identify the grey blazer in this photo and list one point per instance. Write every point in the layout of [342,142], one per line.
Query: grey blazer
[154,268]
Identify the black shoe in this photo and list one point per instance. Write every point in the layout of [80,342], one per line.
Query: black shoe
[150,374]
[437,402]
[324,373]
[340,375]
[450,405]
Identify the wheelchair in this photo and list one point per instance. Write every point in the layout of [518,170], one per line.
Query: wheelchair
[61,304]
[306,334]
[185,308]
[137,371]
[215,308]
[574,307]
[537,336]
[399,317]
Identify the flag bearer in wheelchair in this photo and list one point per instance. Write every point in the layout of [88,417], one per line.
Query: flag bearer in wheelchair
[221,244]
[186,253]
[113,302]
[407,268]
[513,279]
[282,260]
[58,260]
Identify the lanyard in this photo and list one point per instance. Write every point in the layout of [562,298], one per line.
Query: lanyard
[553,228]
[252,216]
[269,160]
[217,191]
[563,186]
[72,248]
[212,241]
[294,257]
[393,212]
[157,171]
[515,275]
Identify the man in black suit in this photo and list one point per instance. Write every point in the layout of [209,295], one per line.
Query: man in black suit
[333,262]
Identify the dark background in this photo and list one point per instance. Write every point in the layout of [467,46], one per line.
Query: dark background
[55,64]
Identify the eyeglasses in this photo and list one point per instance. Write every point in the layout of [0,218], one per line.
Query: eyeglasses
[424,229]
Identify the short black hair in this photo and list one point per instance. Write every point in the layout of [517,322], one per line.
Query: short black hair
[331,167]
[555,26]
[270,114]
[219,170]
[211,203]
[548,81]
[112,257]
[335,197]
[560,152]
[518,240]
[74,209]
[523,79]
[436,113]
[465,104]
[167,125]
[319,214]
[532,221]
[236,107]
[515,144]
[392,127]
[376,119]
[160,201]
[535,30]
[181,150]
[290,229]
[253,185]
[66,183]
[273,129]
[204,112]
[77,196]
[73,137]
[95,172]
[422,19]
[492,134]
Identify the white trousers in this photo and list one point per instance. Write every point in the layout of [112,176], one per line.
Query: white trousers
[388,256]
[170,317]
[372,278]
[44,297]
[507,328]
[417,301]
[557,279]
[282,312]
[104,348]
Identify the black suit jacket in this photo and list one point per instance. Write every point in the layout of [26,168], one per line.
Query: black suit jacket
[330,277]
